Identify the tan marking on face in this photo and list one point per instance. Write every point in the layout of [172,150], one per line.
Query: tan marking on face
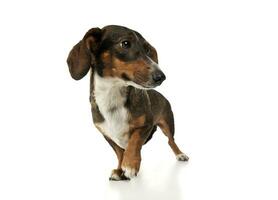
[137,71]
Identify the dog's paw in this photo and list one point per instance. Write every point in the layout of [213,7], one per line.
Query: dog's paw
[129,172]
[114,177]
[131,166]
[118,175]
[182,157]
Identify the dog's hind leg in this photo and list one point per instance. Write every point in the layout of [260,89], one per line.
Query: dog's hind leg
[166,124]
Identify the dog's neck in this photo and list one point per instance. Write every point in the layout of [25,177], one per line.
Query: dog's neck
[109,93]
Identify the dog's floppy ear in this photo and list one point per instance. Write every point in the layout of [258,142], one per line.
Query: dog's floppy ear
[82,55]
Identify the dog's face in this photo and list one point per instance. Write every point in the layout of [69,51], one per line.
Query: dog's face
[117,52]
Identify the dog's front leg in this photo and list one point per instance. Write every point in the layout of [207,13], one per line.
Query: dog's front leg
[132,155]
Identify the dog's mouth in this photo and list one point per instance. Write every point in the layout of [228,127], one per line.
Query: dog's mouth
[150,84]
[149,79]
[155,79]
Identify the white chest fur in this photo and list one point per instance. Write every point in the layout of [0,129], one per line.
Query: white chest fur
[110,98]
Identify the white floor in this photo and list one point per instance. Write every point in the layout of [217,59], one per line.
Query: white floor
[67,165]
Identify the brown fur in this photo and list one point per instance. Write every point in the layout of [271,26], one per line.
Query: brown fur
[147,109]
[132,154]
[137,70]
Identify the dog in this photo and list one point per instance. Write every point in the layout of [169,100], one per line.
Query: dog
[125,109]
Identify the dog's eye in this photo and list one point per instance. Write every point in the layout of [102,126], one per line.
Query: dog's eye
[126,44]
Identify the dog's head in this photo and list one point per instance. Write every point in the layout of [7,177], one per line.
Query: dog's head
[116,52]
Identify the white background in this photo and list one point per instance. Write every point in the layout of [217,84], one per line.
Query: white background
[220,59]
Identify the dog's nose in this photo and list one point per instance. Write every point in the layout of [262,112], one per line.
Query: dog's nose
[158,77]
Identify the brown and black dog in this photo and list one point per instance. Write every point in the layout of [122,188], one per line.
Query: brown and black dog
[124,68]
